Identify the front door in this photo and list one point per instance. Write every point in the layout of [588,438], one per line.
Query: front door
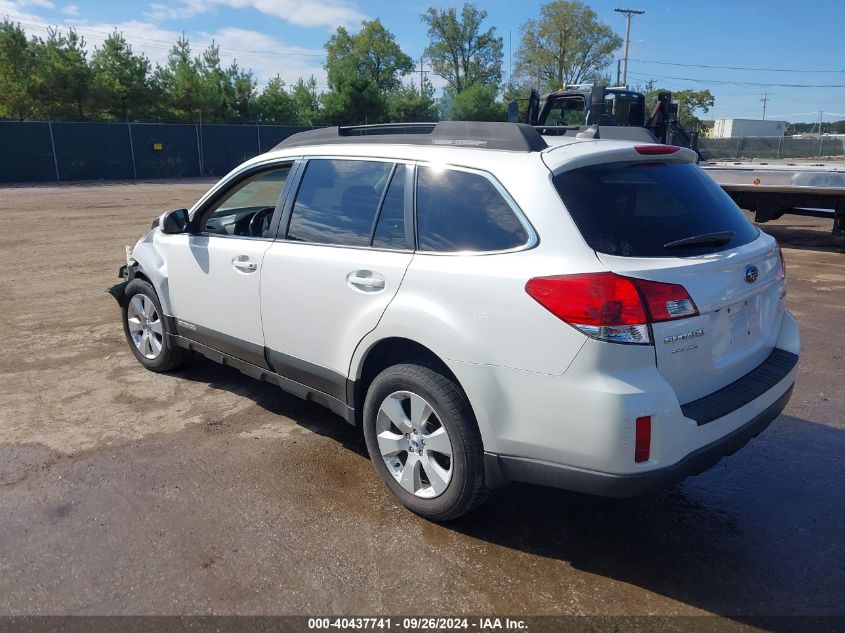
[214,273]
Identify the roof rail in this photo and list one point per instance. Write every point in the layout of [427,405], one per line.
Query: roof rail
[516,137]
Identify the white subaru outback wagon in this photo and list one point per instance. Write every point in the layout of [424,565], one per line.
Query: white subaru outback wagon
[489,304]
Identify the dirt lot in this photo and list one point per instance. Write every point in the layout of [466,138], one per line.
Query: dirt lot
[123,491]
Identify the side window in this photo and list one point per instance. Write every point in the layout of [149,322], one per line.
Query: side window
[390,230]
[462,211]
[337,201]
[247,208]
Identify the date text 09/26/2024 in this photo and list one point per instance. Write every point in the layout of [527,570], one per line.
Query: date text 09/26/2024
[416,624]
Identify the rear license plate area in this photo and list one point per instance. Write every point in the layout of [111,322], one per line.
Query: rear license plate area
[742,323]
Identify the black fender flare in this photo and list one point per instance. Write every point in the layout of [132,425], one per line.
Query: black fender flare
[126,273]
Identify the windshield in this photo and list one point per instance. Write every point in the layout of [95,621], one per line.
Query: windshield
[567,111]
[637,209]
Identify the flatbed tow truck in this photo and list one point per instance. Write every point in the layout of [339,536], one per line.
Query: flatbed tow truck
[768,189]
[771,189]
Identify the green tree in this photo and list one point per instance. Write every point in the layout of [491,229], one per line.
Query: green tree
[459,51]
[63,77]
[201,89]
[354,100]
[362,69]
[17,63]
[121,80]
[372,52]
[689,102]
[215,89]
[307,102]
[477,103]
[409,104]
[181,84]
[566,45]
[274,105]
[242,94]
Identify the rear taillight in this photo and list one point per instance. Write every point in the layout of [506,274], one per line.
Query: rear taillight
[782,264]
[666,301]
[609,307]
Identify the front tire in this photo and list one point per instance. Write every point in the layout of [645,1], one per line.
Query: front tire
[424,442]
[146,329]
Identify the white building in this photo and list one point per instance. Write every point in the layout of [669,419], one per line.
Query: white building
[743,128]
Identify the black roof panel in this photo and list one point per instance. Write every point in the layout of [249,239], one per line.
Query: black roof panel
[516,137]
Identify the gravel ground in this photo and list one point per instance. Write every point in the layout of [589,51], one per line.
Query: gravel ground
[205,492]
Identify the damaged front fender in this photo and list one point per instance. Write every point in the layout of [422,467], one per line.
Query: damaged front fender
[118,291]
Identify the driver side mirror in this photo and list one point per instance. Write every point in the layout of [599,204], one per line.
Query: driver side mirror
[175,221]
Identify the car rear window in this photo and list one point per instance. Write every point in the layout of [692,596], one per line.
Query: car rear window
[636,209]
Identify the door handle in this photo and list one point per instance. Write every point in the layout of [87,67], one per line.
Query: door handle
[244,264]
[365,280]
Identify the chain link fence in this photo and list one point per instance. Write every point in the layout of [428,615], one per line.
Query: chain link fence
[45,151]
[772,148]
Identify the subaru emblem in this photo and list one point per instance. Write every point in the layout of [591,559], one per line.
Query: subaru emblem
[751,274]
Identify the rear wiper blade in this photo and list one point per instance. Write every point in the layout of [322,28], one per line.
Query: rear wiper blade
[717,238]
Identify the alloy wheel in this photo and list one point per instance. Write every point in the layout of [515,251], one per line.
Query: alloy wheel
[414,444]
[145,326]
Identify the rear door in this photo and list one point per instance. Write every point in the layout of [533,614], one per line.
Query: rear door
[345,244]
[636,216]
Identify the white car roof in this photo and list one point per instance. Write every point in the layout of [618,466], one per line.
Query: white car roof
[557,152]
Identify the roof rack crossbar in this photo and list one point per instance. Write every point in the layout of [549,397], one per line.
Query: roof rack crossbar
[515,137]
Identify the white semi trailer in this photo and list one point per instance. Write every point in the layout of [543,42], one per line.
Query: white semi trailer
[745,128]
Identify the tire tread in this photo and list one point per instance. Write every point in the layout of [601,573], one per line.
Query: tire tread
[172,357]
[474,491]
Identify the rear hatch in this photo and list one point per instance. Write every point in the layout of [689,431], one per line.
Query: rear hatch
[665,220]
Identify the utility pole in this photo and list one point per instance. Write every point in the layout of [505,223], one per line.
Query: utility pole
[510,56]
[423,73]
[628,13]
[764,100]
[821,138]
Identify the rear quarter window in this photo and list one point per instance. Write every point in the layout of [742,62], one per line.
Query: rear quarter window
[463,211]
[634,209]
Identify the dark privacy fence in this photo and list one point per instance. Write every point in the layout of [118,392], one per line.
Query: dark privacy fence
[775,148]
[39,151]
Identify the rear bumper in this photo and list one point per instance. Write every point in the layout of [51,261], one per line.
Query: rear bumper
[502,469]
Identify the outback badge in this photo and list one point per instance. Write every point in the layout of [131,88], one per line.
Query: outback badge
[668,340]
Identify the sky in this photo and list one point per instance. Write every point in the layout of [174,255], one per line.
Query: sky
[794,51]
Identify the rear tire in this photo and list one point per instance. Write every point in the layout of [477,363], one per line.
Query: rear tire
[424,442]
[146,329]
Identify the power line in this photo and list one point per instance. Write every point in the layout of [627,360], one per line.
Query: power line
[776,70]
[148,42]
[740,83]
